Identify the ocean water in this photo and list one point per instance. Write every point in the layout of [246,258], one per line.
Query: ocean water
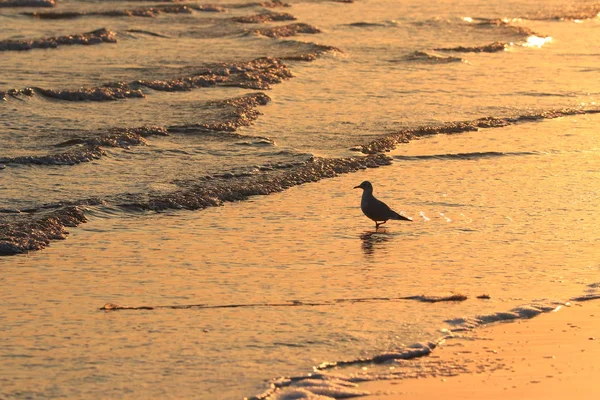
[203,159]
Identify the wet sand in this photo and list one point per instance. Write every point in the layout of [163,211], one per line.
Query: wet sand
[553,356]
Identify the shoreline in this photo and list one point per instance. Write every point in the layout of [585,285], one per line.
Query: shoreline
[551,356]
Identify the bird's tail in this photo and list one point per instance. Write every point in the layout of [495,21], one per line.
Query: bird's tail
[401,217]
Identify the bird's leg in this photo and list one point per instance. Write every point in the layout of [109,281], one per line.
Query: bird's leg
[378,224]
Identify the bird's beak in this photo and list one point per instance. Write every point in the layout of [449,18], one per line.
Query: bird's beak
[357,187]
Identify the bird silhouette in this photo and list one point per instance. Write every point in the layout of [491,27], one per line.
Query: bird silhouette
[376,209]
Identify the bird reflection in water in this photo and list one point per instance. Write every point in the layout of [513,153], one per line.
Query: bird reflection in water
[374,240]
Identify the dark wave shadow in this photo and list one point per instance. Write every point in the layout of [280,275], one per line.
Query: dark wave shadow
[467,156]
[449,297]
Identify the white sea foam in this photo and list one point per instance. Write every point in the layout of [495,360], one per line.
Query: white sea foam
[522,312]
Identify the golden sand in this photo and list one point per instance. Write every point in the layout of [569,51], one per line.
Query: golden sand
[553,356]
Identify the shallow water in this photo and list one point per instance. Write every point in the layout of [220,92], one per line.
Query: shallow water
[296,278]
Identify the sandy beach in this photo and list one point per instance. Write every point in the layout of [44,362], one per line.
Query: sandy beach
[553,356]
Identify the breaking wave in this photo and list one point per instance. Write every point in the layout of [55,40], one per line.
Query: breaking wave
[148,12]
[258,74]
[27,3]
[430,58]
[488,48]
[404,136]
[89,38]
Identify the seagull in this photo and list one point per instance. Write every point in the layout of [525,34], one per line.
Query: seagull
[375,209]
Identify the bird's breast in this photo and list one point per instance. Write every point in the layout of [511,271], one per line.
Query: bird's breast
[364,203]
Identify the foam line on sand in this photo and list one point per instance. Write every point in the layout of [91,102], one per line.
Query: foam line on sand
[554,356]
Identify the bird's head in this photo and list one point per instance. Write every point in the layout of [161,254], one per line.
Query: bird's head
[366,185]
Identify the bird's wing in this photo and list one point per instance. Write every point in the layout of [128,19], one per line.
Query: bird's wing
[379,211]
